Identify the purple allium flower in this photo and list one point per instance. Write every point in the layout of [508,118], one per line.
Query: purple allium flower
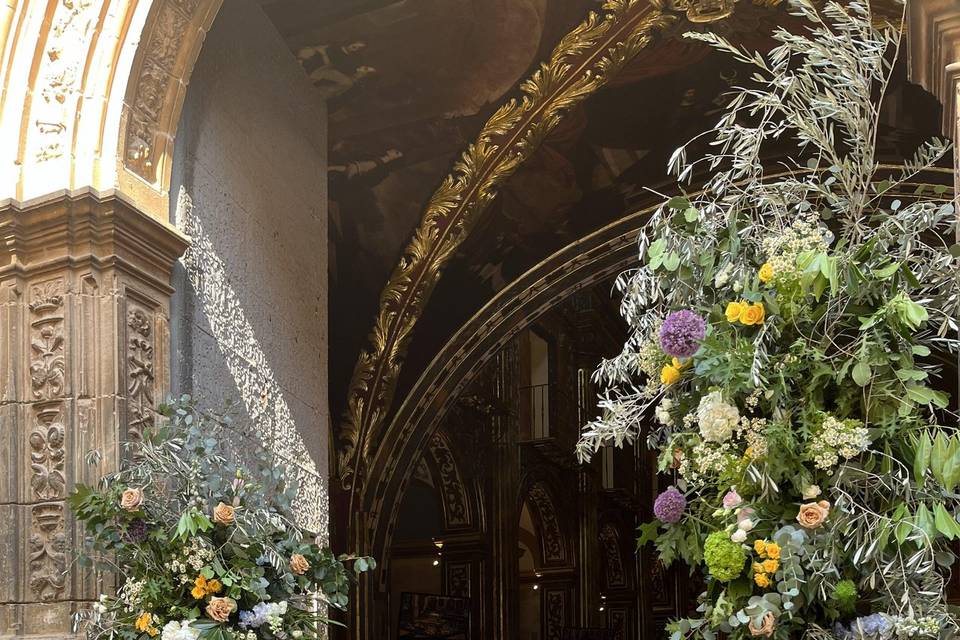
[682,333]
[669,506]
[137,531]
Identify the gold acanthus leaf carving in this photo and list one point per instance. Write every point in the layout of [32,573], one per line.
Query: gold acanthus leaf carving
[584,60]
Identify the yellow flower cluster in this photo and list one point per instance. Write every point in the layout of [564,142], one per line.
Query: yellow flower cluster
[671,372]
[745,313]
[766,273]
[203,587]
[144,624]
[764,570]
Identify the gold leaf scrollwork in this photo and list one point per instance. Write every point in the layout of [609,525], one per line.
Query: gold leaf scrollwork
[584,60]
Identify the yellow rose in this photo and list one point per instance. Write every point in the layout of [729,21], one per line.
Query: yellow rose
[762,580]
[131,499]
[752,314]
[298,564]
[772,550]
[813,514]
[669,374]
[771,565]
[734,309]
[219,609]
[214,586]
[766,629]
[223,514]
[761,548]
[766,273]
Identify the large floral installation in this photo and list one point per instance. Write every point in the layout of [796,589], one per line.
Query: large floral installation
[199,529]
[788,330]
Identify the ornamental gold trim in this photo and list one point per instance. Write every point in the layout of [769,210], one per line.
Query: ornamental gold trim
[584,60]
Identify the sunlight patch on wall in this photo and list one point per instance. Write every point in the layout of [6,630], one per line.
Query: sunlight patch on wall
[260,392]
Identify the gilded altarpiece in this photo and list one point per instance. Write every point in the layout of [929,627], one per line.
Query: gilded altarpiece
[84,294]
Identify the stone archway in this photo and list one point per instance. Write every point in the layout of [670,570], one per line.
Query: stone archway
[92,92]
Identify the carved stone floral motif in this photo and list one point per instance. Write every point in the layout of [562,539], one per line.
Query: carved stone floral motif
[455,511]
[48,558]
[551,538]
[140,374]
[47,456]
[613,561]
[555,614]
[46,341]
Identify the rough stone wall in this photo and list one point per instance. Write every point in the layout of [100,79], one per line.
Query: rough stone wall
[249,188]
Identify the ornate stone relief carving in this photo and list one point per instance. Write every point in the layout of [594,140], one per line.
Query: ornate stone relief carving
[61,66]
[613,561]
[46,340]
[48,558]
[139,374]
[146,134]
[47,455]
[555,605]
[458,579]
[551,537]
[456,514]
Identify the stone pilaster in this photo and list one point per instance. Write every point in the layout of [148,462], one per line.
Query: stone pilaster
[84,341]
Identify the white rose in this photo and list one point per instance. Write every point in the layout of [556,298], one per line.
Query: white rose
[717,419]
[745,525]
[810,492]
[739,536]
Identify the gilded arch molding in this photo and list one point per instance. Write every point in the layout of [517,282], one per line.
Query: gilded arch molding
[92,92]
[583,61]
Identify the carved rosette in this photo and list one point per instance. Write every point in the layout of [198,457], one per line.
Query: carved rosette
[140,374]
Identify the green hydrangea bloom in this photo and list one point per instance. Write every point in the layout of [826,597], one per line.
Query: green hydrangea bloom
[845,595]
[724,558]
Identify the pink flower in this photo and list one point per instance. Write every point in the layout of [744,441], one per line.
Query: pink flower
[732,500]
[744,514]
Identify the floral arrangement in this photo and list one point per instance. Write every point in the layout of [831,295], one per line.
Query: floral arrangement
[787,333]
[205,545]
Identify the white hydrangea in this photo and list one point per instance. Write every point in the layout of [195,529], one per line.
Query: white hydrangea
[181,630]
[716,418]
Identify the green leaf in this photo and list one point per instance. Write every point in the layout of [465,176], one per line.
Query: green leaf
[649,531]
[691,215]
[678,202]
[938,457]
[885,272]
[861,373]
[944,522]
[921,457]
[656,247]
[671,262]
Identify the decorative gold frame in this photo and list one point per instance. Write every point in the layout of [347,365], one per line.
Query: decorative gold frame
[584,60]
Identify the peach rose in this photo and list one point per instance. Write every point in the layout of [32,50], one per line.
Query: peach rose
[766,629]
[223,513]
[131,499]
[813,514]
[219,609]
[299,564]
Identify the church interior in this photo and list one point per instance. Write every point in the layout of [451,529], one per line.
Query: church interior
[401,225]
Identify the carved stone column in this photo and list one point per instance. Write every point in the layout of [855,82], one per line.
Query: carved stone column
[84,304]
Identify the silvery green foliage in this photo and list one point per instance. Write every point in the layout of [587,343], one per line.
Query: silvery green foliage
[817,88]
[822,89]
